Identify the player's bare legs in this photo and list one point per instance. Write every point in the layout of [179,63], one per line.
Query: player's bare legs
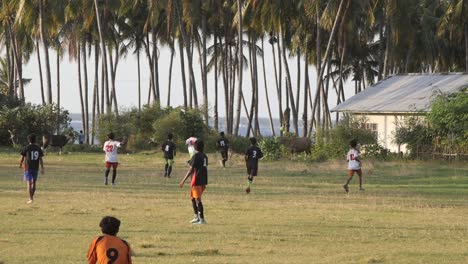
[359,172]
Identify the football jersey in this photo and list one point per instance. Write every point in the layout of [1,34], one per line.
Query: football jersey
[353,164]
[109,249]
[199,163]
[253,154]
[110,147]
[169,149]
[32,154]
[222,143]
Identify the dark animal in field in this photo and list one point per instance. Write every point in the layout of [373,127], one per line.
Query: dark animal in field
[297,145]
[55,141]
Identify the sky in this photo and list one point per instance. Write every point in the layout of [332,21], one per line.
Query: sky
[127,82]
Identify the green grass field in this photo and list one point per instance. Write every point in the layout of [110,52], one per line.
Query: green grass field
[410,212]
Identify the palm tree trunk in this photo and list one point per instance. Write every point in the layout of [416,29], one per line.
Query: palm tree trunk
[278,84]
[104,59]
[272,126]
[387,47]
[215,114]
[40,71]
[156,89]
[139,79]
[182,70]
[298,87]
[240,68]
[58,89]
[252,79]
[45,45]
[10,62]
[80,88]
[96,93]
[306,89]
[289,87]
[150,64]
[204,69]
[86,103]
[466,48]
[170,74]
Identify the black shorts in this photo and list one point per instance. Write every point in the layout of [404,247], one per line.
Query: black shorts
[252,169]
[224,154]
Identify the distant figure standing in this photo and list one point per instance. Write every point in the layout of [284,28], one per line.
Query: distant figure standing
[354,165]
[31,155]
[190,142]
[223,147]
[169,149]
[81,138]
[252,155]
[109,248]
[199,172]
[110,148]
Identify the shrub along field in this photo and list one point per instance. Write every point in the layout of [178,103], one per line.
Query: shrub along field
[410,212]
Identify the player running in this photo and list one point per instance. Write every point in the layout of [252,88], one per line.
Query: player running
[223,147]
[252,155]
[31,155]
[110,148]
[199,172]
[354,165]
[169,149]
[109,248]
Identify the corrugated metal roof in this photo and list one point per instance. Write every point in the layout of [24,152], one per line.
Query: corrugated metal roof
[403,93]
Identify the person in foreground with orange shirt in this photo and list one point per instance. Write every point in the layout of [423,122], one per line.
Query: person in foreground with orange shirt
[109,248]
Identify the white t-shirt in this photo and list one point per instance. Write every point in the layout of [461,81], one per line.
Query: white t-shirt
[353,164]
[190,142]
[110,147]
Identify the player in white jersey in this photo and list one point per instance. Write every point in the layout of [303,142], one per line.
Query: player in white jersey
[354,165]
[190,142]
[110,148]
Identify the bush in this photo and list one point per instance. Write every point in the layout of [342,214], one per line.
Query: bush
[239,144]
[271,148]
[17,120]
[86,148]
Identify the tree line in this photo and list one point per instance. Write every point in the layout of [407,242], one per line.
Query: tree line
[344,41]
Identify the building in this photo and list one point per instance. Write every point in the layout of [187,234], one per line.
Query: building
[385,104]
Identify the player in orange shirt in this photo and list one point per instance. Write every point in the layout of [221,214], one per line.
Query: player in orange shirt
[109,248]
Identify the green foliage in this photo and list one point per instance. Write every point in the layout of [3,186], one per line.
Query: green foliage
[271,148]
[415,133]
[449,117]
[147,129]
[17,120]
[334,144]
[239,144]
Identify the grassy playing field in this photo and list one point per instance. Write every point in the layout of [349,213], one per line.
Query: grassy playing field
[410,212]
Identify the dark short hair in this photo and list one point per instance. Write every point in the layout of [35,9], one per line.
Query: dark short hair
[353,143]
[32,138]
[110,225]
[221,133]
[253,140]
[199,145]
[170,136]
[111,135]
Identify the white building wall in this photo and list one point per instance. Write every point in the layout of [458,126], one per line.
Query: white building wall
[386,127]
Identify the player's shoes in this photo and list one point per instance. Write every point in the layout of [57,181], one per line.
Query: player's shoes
[362,189]
[200,222]
[105,182]
[113,184]
[345,187]
[195,219]
[247,190]
[30,201]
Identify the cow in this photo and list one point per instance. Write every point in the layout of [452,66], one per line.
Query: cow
[56,141]
[297,144]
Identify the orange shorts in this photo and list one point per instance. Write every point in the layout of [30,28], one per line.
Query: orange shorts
[197,191]
[351,172]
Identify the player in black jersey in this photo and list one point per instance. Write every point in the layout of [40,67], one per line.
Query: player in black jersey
[31,157]
[252,155]
[222,145]
[169,149]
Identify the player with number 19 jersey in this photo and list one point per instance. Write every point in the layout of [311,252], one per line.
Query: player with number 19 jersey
[109,249]
[32,153]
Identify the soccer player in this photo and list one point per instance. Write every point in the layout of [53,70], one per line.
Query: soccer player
[110,148]
[354,165]
[199,172]
[109,248]
[252,155]
[169,149]
[223,147]
[31,156]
